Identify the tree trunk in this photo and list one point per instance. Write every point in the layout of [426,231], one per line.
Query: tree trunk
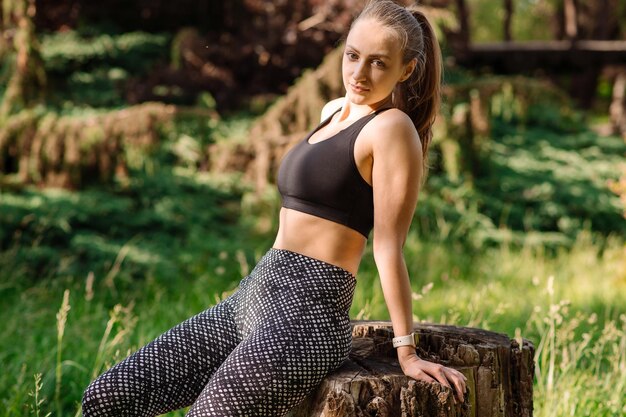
[617,110]
[571,20]
[499,372]
[27,82]
[605,23]
[508,18]
[464,28]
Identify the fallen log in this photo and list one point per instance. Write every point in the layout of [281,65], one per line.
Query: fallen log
[499,373]
[556,56]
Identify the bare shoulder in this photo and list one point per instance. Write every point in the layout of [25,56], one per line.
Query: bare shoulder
[393,128]
[331,107]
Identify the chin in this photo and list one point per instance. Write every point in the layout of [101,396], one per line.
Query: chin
[364,101]
[356,100]
[360,99]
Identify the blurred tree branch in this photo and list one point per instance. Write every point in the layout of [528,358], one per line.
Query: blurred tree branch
[28,77]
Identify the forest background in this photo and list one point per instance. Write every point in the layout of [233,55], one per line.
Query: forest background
[138,145]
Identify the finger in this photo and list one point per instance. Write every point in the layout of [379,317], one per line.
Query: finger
[448,375]
[460,390]
[458,380]
[439,374]
[423,376]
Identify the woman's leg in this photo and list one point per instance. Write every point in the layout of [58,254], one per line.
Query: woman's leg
[294,316]
[269,373]
[170,372]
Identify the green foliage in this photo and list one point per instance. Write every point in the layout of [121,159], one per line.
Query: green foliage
[185,141]
[54,233]
[532,20]
[139,257]
[93,69]
[568,304]
[539,181]
[100,87]
[554,182]
[533,103]
[136,52]
[536,169]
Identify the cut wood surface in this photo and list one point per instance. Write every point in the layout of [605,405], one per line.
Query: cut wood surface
[499,371]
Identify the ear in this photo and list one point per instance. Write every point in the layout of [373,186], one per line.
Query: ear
[408,70]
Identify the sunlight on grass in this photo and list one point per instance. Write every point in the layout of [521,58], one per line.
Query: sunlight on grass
[134,261]
[568,303]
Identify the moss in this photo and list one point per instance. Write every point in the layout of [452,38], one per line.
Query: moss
[70,151]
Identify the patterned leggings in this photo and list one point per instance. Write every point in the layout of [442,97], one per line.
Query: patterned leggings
[257,353]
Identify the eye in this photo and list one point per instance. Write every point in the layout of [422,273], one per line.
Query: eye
[352,56]
[378,63]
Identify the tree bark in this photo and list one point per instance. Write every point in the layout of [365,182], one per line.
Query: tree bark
[570,18]
[617,109]
[508,18]
[28,80]
[464,28]
[499,371]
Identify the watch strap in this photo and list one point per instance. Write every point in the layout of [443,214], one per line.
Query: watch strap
[408,340]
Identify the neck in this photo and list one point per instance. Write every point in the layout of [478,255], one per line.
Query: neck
[356,111]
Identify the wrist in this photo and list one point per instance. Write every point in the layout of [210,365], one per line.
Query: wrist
[406,352]
[406,355]
[410,339]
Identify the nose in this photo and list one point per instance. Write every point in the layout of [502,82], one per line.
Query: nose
[359,71]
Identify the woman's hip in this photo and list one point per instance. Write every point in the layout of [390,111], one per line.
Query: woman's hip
[290,290]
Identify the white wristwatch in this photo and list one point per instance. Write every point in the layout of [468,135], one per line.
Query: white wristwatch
[408,340]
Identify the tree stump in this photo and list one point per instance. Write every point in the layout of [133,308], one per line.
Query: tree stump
[499,373]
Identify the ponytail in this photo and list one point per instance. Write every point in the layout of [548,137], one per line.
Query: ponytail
[419,95]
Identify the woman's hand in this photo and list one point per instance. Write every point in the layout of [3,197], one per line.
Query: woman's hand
[427,371]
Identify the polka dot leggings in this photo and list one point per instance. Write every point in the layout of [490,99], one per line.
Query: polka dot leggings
[257,353]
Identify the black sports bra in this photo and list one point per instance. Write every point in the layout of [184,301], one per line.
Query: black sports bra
[322,179]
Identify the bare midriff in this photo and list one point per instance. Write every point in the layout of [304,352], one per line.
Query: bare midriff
[321,239]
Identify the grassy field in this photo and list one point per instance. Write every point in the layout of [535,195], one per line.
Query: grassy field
[59,334]
[535,248]
[87,277]
[567,305]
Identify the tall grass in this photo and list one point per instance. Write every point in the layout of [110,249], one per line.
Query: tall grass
[61,321]
[580,366]
[570,304]
[116,268]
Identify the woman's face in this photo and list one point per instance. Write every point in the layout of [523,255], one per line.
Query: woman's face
[372,63]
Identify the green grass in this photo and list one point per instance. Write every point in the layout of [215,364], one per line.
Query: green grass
[87,277]
[92,70]
[569,304]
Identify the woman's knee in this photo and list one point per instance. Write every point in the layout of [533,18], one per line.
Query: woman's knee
[101,399]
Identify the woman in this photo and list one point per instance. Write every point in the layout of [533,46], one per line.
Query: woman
[260,351]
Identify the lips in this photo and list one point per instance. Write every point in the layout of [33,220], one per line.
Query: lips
[358,89]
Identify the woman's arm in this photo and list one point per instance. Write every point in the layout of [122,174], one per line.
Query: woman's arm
[396,179]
